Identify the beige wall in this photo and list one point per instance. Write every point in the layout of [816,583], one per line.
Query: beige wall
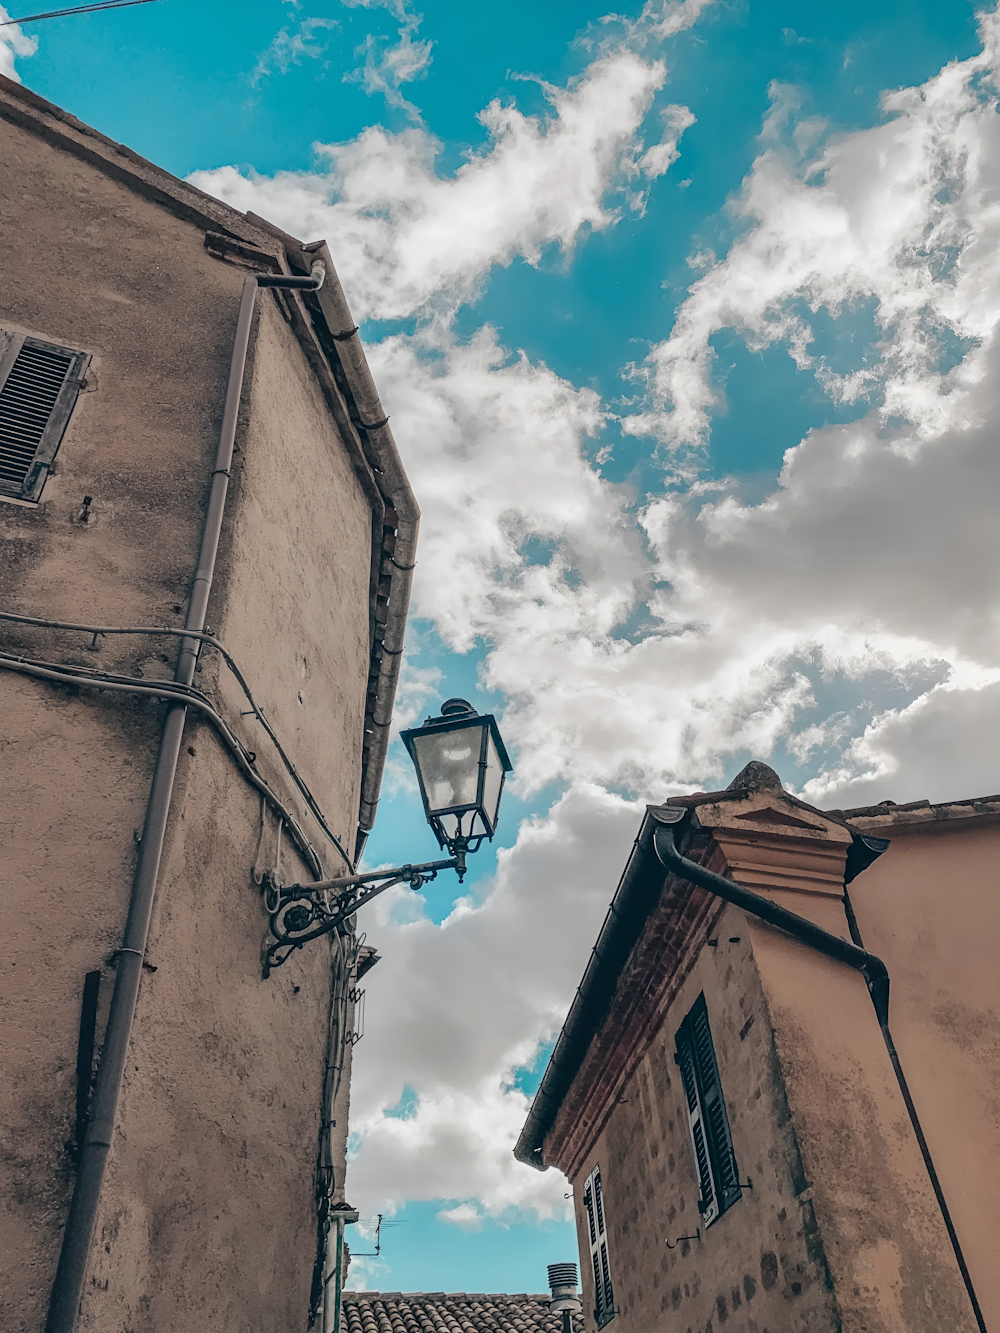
[208,1216]
[888,1251]
[930,907]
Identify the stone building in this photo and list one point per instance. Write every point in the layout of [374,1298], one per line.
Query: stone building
[196,467]
[778,1107]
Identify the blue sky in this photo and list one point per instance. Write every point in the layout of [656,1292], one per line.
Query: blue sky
[697,486]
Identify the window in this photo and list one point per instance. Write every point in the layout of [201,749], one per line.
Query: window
[715,1160]
[604,1296]
[39,383]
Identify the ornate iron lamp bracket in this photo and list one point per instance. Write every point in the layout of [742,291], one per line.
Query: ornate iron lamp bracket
[302,912]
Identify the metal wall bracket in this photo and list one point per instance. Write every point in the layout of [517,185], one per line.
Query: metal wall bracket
[696,1236]
[304,912]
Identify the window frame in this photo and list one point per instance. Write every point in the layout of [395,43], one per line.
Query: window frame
[600,1261]
[11,344]
[714,1156]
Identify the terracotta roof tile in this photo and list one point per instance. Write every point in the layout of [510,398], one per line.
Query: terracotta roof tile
[457,1312]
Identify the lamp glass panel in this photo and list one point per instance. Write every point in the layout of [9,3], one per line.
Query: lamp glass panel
[494,780]
[468,824]
[448,763]
[449,825]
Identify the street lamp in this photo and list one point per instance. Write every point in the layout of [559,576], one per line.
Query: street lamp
[461,764]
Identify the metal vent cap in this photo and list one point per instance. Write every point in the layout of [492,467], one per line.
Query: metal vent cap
[562,1284]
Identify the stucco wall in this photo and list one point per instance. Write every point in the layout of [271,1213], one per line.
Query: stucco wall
[759,1266]
[885,1240]
[930,907]
[208,1216]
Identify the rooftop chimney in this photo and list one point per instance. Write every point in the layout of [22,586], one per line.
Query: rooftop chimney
[562,1284]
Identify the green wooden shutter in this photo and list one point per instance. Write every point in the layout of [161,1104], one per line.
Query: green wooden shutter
[715,1161]
[604,1296]
[39,383]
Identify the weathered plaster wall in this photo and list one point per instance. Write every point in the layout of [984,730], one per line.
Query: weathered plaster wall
[761,1265]
[930,907]
[208,1217]
[292,601]
[884,1237]
[886,1243]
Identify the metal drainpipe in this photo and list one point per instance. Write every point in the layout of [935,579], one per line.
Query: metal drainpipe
[67,1291]
[872,969]
[333,1304]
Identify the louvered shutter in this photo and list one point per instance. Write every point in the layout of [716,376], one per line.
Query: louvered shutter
[39,383]
[715,1161]
[604,1296]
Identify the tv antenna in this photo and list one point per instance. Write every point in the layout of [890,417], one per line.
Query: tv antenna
[373,1254]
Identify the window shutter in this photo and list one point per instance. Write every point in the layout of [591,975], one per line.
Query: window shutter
[718,1177]
[39,383]
[604,1297]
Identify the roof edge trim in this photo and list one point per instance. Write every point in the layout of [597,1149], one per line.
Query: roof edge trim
[636,896]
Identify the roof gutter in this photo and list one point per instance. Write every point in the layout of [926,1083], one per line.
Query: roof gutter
[873,970]
[396,572]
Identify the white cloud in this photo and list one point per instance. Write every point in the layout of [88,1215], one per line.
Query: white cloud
[932,750]
[452,1026]
[904,215]
[387,68]
[13,43]
[466,1216]
[288,47]
[656,161]
[407,238]
[496,443]
[658,21]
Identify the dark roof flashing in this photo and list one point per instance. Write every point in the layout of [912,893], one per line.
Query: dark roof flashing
[755,776]
[921,814]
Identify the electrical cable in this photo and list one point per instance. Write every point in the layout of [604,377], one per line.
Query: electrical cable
[347,948]
[211,641]
[192,698]
[76,9]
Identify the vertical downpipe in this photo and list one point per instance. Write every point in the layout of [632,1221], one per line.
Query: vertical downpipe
[334,1277]
[64,1306]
